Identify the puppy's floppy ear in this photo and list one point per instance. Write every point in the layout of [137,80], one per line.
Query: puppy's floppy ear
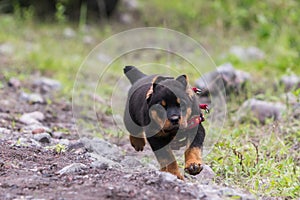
[155,81]
[183,79]
[159,79]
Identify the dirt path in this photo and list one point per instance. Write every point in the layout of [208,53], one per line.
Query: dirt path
[41,157]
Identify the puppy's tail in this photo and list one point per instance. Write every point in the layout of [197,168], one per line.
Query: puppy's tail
[133,74]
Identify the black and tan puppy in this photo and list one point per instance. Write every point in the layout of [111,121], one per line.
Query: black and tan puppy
[164,110]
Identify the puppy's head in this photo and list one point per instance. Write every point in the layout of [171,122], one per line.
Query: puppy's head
[169,102]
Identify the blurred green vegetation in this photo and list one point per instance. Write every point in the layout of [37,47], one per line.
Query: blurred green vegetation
[261,158]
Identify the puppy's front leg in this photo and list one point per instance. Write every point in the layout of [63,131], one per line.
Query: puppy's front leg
[164,156]
[193,154]
[138,143]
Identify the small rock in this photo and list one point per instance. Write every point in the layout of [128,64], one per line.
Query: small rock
[6,49]
[102,148]
[105,165]
[247,54]
[206,175]
[5,131]
[22,142]
[131,162]
[290,98]
[126,18]
[69,32]
[75,167]
[47,84]
[167,177]
[296,111]
[38,130]
[42,137]
[261,110]
[57,134]
[14,82]
[130,4]
[32,98]
[88,39]
[32,118]
[290,82]
[64,142]
[30,128]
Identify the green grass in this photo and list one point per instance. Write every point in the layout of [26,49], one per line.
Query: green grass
[263,159]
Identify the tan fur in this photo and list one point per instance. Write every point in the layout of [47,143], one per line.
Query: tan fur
[193,156]
[173,169]
[138,142]
[150,91]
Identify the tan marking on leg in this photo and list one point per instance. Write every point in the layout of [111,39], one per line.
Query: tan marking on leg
[138,143]
[193,160]
[169,164]
[173,169]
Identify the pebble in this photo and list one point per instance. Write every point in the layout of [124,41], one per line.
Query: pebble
[32,98]
[34,127]
[72,168]
[167,177]
[103,162]
[47,84]
[102,148]
[14,82]
[42,137]
[296,111]
[261,110]
[69,32]
[5,131]
[247,53]
[38,130]
[6,49]
[64,142]
[32,118]
[290,82]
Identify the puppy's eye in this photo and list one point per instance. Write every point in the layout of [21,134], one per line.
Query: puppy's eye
[178,101]
[163,103]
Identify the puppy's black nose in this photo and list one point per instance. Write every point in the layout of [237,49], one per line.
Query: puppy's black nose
[174,119]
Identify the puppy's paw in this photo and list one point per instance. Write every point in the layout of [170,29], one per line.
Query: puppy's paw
[137,143]
[175,172]
[193,168]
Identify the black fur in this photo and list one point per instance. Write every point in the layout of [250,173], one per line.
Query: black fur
[154,99]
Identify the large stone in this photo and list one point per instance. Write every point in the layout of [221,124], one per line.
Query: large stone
[75,167]
[42,137]
[290,82]
[225,78]
[32,98]
[32,118]
[206,176]
[261,110]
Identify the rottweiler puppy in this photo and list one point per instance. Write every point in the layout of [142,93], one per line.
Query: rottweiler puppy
[164,110]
